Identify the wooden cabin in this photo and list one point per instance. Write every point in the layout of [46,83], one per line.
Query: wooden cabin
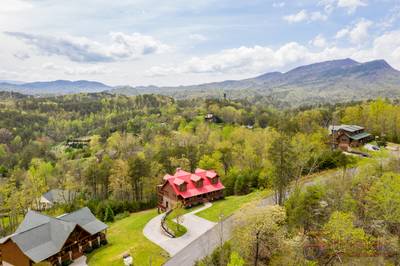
[41,238]
[345,136]
[189,188]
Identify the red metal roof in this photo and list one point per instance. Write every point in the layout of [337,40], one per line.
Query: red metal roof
[182,176]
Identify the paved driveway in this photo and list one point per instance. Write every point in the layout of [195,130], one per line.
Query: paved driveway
[206,243]
[195,226]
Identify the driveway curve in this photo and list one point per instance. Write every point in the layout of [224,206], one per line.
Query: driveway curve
[196,226]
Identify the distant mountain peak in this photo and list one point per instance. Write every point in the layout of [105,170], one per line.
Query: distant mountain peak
[379,63]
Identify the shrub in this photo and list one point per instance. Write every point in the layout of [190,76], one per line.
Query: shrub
[108,215]
[88,250]
[122,215]
[67,262]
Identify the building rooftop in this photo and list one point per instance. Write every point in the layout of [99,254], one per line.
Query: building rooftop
[40,236]
[349,128]
[182,176]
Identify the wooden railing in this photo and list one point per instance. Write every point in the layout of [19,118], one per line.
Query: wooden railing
[165,228]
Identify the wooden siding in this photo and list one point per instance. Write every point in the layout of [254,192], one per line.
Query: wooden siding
[11,253]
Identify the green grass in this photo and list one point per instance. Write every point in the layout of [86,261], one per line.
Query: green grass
[229,205]
[126,236]
[177,229]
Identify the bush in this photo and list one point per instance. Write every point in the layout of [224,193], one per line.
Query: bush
[122,215]
[67,262]
[88,250]
[103,242]
[108,215]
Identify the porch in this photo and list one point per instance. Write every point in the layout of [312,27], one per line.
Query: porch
[77,249]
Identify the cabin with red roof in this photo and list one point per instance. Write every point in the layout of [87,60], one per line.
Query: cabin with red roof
[189,188]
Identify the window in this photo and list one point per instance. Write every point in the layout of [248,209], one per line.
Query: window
[214,180]
[199,183]
[182,187]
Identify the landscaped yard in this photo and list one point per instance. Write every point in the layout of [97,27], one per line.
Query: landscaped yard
[177,229]
[126,236]
[229,205]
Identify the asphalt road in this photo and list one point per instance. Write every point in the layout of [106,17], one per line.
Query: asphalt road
[206,243]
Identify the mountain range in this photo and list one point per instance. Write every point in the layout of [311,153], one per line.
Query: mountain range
[57,87]
[330,81]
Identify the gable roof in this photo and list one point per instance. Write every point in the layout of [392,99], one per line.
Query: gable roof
[182,176]
[40,236]
[360,136]
[58,195]
[85,218]
[348,128]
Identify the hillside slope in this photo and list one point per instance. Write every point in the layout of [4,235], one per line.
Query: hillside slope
[331,81]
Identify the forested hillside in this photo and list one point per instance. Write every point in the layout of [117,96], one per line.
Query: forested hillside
[135,141]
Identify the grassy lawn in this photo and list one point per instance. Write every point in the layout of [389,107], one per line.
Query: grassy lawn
[126,236]
[177,229]
[230,204]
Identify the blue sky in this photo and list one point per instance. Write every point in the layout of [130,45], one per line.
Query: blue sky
[173,42]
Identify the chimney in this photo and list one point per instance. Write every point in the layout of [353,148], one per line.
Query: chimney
[178,169]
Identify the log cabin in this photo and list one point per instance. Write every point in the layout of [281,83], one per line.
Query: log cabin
[189,188]
[345,136]
[41,238]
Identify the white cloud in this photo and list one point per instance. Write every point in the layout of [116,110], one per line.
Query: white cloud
[278,4]
[197,37]
[319,41]
[304,15]
[11,6]
[358,33]
[77,70]
[247,61]
[80,49]
[351,5]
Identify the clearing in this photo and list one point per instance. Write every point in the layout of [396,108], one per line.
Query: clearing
[126,236]
[229,205]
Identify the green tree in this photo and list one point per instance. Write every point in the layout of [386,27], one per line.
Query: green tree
[139,168]
[236,260]
[261,234]
[282,158]
[344,239]
[307,210]
[108,215]
[383,199]
[39,174]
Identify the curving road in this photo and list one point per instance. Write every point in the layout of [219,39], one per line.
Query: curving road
[195,225]
[206,243]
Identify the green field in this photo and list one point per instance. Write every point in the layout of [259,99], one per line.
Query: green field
[126,236]
[229,205]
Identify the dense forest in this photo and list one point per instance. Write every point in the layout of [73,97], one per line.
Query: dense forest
[134,141]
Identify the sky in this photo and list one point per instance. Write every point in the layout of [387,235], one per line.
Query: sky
[181,42]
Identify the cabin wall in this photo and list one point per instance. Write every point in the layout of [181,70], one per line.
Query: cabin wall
[169,196]
[10,253]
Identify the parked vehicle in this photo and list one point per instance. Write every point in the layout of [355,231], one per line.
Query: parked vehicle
[371,147]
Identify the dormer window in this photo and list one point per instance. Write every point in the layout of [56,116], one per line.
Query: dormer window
[212,176]
[181,184]
[197,180]
[182,187]
[214,180]
[199,183]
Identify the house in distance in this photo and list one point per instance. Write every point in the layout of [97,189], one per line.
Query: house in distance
[41,238]
[54,197]
[189,188]
[345,136]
